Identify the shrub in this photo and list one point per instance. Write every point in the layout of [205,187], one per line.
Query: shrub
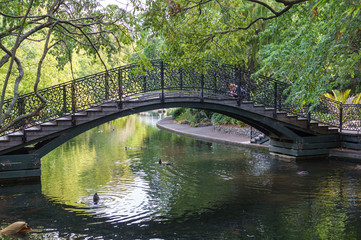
[177,112]
[220,119]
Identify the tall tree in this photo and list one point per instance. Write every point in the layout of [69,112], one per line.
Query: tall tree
[313,45]
[224,30]
[63,27]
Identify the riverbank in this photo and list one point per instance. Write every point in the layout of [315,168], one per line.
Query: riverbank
[207,133]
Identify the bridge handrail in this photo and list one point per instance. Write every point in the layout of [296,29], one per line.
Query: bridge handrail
[118,83]
[123,82]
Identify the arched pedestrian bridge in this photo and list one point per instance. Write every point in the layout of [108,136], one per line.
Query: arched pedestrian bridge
[77,106]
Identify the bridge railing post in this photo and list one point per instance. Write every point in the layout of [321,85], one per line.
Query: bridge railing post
[341,116]
[73,99]
[120,88]
[275,100]
[106,83]
[144,80]
[64,100]
[73,102]
[162,80]
[308,116]
[181,79]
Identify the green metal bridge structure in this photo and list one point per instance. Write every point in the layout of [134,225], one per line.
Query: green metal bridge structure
[76,106]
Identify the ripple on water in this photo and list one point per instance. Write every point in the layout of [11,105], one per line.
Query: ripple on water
[125,201]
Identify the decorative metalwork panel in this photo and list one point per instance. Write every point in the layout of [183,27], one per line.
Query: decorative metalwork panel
[153,78]
[351,117]
[132,82]
[219,78]
[327,111]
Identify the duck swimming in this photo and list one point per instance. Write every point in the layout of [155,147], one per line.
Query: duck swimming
[15,227]
[96,198]
[164,163]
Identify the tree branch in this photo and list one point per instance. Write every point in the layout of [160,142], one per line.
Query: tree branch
[253,22]
[13,53]
[16,84]
[291,2]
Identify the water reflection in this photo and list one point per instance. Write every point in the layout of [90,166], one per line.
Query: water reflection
[210,191]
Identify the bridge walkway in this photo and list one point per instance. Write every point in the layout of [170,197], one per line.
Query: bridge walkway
[53,128]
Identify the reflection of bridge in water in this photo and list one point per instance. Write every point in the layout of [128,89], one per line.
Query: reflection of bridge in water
[77,106]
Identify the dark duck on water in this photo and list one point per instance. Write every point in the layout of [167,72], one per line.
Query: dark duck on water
[164,163]
[96,198]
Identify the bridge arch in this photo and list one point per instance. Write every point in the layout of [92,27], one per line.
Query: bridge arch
[82,104]
[268,126]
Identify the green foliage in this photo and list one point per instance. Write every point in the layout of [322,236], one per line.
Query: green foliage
[314,47]
[192,31]
[177,112]
[344,97]
[194,117]
[220,119]
[84,33]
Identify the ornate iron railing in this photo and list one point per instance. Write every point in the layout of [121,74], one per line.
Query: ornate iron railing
[122,83]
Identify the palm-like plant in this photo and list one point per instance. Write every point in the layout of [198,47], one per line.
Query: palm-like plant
[344,97]
[349,114]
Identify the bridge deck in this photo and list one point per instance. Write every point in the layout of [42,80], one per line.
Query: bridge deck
[47,130]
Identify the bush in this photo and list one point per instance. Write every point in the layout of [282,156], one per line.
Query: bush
[220,119]
[194,117]
[177,112]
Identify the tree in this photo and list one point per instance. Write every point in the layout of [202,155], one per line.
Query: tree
[313,45]
[316,48]
[63,27]
[225,30]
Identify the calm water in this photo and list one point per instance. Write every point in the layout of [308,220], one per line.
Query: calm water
[210,191]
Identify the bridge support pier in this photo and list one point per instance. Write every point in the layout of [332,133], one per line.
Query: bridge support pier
[20,168]
[305,147]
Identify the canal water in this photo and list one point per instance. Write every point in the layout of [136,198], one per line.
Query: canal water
[209,191]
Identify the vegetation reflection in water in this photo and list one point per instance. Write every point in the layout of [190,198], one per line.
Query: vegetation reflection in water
[132,185]
[210,191]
